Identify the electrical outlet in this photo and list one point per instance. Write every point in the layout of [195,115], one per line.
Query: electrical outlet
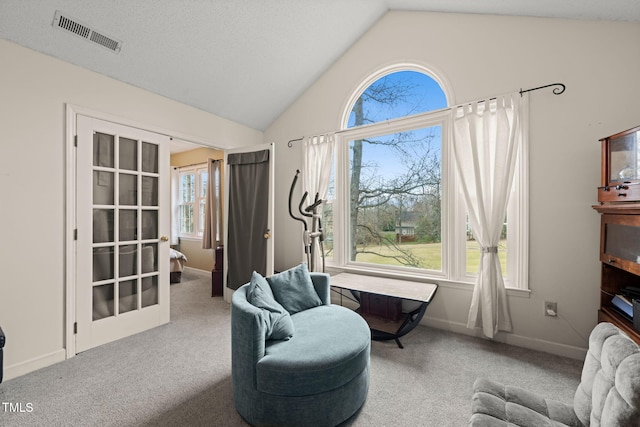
[550,308]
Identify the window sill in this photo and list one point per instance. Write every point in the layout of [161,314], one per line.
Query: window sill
[445,283]
[190,238]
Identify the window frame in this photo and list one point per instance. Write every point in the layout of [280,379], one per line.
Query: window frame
[453,206]
[197,170]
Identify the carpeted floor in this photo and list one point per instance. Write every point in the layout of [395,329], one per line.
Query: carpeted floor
[180,374]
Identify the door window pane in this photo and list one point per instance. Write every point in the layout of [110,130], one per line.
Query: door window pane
[128,155]
[128,189]
[102,225]
[149,291]
[103,150]
[128,225]
[103,301]
[103,188]
[149,258]
[128,296]
[128,260]
[149,157]
[102,264]
[149,191]
[149,225]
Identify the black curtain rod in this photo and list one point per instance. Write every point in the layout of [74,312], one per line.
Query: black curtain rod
[556,91]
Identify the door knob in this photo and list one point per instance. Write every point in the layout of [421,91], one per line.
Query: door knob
[164,238]
[267,235]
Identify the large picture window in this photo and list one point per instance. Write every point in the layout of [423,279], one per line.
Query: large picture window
[394,204]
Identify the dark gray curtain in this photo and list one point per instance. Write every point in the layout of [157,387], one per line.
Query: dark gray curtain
[248,210]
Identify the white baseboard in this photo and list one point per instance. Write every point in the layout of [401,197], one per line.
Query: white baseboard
[558,349]
[22,368]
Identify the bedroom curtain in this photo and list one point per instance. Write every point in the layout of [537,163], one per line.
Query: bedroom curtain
[485,144]
[248,216]
[317,174]
[175,202]
[213,207]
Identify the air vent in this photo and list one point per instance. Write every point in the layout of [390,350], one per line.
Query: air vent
[72,25]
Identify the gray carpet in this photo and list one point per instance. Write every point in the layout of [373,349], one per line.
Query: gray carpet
[180,374]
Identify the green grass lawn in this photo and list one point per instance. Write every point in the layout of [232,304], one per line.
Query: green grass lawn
[430,255]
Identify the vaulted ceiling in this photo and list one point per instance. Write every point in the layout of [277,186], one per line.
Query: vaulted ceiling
[244,60]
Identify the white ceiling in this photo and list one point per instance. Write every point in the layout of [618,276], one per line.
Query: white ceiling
[245,60]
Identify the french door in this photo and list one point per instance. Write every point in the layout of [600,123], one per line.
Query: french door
[122,214]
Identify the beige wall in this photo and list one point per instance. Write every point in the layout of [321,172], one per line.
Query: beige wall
[201,259]
[480,56]
[34,89]
[198,258]
[195,156]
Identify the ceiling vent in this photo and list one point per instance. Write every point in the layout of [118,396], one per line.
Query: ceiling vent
[72,25]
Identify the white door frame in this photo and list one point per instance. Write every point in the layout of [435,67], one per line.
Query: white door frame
[71,113]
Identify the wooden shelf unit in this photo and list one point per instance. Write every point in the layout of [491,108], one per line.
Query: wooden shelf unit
[614,279]
[619,208]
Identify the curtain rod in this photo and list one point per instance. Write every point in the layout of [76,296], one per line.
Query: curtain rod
[556,91]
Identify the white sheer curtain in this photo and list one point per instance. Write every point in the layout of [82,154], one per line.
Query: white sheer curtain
[212,207]
[486,140]
[317,173]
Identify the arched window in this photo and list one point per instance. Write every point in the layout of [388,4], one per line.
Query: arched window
[398,94]
[394,205]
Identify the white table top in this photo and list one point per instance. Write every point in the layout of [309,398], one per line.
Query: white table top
[404,289]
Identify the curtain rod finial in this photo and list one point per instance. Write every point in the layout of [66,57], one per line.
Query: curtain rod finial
[290,143]
[556,91]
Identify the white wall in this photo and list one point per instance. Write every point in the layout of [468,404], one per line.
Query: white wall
[34,89]
[480,56]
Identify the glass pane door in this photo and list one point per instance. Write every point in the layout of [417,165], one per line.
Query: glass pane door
[122,265]
[125,225]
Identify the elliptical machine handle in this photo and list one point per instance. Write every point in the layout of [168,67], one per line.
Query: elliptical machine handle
[293,185]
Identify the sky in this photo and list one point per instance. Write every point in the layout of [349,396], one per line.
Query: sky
[424,94]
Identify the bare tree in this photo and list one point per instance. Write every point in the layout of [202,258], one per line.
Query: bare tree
[369,191]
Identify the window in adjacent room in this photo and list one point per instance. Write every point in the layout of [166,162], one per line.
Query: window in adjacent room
[396,207]
[192,188]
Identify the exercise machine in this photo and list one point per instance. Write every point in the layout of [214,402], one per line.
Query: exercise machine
[312,233]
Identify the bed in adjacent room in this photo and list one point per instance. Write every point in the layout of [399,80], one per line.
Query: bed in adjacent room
[178,259]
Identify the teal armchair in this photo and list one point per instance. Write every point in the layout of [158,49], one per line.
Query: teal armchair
[318,377]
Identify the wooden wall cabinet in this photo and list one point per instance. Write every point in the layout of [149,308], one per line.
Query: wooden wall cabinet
[619,206]
[620,170]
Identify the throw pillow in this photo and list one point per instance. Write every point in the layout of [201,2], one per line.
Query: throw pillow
[278,323]
[294,289]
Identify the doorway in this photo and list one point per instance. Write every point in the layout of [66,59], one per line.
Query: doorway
[249,205]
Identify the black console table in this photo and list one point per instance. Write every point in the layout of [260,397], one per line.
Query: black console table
[383,328]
